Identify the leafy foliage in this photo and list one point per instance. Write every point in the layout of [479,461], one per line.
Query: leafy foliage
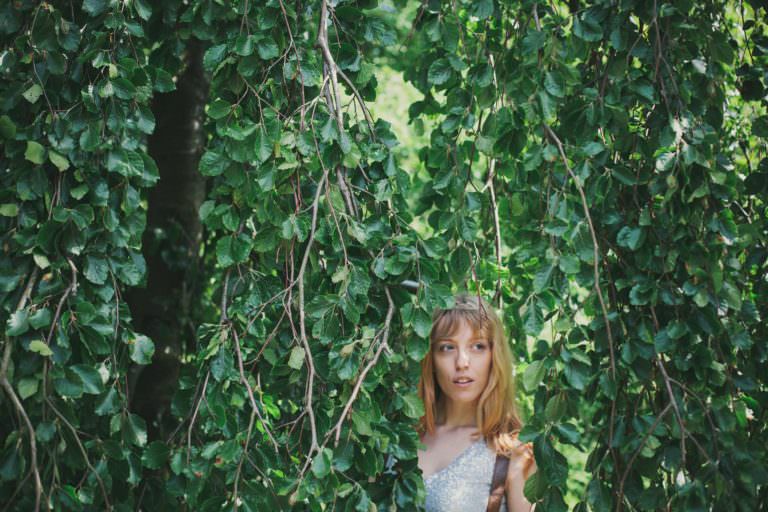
[598,169]
[599,146]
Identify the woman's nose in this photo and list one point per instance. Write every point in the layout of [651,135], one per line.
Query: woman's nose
[462,359]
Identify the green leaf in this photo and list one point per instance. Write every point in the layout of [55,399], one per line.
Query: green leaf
[413,408]
[732,296]
[7,128]
[439,72]
[267,49]
[45,431]
[577,375]
[662,342]
[296,359]
[263,145]
[142,349]
[212,163]
[554,83]
[40,318]
[631,238]
[96,269]
[541,279]
[143,9]
[27,387]
[35,152]
[555,408]
[244,45]
[422,323]
[677,329]
[217,109]
[533,375]
[222,363]
[126,163]
[9,209]
[40,347]
[213,56]
[534,487]
[108,404]
[69,385]
[94,7]
[155,455]
[321,465]
[135,429]
[587,28]
[18,323]
[90,377]
[33,93]
[482,9]
[224,252]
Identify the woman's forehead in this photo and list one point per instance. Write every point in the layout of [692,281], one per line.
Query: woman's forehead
[451,322]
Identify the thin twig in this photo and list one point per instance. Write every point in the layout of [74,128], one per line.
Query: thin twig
[496,230]
[254,413]
[322,42]
[371,364]
[82,451]
[595,245]
[194,415]
[620,497]
[366,112]
[314,447]
[673,401]
[6,385]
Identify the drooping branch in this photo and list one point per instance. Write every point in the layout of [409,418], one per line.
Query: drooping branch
[8,388]
[382,345]
[595,245]
[314,447]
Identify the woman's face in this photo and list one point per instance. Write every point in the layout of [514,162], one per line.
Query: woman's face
[462,364]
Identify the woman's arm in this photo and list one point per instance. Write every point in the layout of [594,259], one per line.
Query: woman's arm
[521,466]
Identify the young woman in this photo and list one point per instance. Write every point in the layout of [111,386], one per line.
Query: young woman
[470,415]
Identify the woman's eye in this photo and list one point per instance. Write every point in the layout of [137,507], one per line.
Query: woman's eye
[445,348]
[480,346]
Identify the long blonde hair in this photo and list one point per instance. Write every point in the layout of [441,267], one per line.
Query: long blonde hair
[497,416]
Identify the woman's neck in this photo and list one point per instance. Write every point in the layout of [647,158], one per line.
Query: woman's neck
[458,415]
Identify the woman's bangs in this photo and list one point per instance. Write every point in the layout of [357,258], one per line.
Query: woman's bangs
[449,321]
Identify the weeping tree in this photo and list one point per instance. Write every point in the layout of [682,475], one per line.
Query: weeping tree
[218,276]
[615,154]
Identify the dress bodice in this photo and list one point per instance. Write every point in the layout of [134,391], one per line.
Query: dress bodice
[465,484]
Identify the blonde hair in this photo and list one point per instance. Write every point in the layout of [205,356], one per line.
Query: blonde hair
[497,416]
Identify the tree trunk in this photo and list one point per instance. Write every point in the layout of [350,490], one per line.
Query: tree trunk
[171,241]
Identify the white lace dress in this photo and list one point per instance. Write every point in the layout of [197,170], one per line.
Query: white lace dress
[465,484]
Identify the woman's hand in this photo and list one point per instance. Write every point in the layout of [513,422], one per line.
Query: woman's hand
[521,465]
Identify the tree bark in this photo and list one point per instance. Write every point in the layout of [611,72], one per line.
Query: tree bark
[171,240]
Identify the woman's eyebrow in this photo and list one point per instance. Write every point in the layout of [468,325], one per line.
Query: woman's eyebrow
[471,340]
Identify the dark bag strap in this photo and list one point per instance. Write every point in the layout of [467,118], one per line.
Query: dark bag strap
[497,484]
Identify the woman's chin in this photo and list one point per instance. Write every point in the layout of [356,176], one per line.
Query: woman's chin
[463,397]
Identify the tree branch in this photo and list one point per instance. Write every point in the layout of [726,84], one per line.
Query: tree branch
[371,364]
[6,385]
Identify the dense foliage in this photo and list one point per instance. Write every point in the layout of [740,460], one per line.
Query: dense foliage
[598,169]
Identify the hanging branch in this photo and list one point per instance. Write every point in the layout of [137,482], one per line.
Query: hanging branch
[383,345]
[330,63]
[314,447]
[496,230]
[254,414]
[595,246]
[292,44]
[620,498]
[6,385]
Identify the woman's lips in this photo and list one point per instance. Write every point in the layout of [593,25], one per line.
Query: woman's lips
[463,383]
